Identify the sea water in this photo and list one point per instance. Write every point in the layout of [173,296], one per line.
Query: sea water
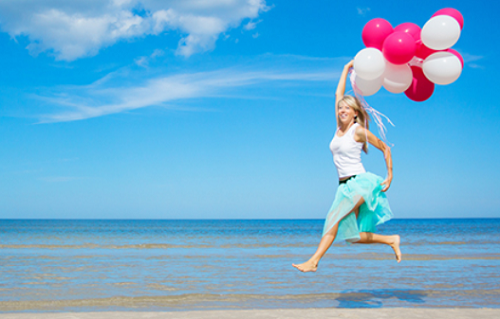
[165,265]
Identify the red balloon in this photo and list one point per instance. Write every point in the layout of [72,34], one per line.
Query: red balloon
[421,88]
[374,33]
[459,56]
[399,48]
[410,28]
[422,51]
[454,13]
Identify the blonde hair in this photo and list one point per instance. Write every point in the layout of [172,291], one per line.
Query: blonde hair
[362,117]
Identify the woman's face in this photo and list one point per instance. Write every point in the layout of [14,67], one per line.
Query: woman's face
[346,113]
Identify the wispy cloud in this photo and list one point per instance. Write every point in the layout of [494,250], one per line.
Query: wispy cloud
[251,25]
[476,66]
[145,60]
[363,10]
[112,94]
[468,58]
[80,28]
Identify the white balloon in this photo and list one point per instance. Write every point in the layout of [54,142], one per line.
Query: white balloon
[442,68]
[397,78]
[369,63]
[440,32]
[367,87]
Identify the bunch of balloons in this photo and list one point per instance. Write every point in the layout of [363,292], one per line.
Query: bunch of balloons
[409,59]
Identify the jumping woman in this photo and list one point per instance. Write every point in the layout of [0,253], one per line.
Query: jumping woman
[360,202]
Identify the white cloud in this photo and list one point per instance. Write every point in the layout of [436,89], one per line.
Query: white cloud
[157,52]
[143,61]
[363,11]
[250,26]
[476,66]
[468,58]
[111,95]
[80,28]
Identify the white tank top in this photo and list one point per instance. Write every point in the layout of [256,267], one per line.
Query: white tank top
[347,153]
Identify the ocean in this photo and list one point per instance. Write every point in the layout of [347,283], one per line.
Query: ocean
[178,265]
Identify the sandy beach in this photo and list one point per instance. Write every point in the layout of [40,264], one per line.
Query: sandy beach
[390,313]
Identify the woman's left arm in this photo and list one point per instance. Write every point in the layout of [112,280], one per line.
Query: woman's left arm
[362,134]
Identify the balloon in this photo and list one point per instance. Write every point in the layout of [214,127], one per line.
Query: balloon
[442,67]
[374,33]
[454,13]
[422,51]
[421,88]
[397,78]
[367,87]
[399,48]
[459,56]
[440,32]
[369,63]
[410,28]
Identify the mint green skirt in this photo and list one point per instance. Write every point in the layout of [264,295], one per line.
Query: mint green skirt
[374,211]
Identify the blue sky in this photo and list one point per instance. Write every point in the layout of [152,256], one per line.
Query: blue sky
[224,109]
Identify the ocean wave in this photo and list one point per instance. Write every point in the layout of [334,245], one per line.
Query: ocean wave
[147,246]
[221,246]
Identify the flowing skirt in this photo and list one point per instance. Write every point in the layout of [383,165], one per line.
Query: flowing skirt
[374,211]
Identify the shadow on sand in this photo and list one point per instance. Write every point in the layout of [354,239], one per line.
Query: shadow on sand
[375,298]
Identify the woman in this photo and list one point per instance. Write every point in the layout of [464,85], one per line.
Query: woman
[360,203]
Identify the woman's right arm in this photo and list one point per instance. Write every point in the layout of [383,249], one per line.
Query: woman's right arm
[339,94]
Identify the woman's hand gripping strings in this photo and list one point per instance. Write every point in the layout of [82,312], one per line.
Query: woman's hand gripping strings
[339,94]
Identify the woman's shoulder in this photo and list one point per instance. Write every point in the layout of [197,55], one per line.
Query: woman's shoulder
[359,133]
[358,128]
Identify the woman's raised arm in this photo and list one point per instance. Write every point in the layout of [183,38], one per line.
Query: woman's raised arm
[339,94]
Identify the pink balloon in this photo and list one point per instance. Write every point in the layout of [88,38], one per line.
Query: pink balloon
[374,33]
[454,13]
[422,51]
[421,88]
[399,48]
[410,28]
[459,56]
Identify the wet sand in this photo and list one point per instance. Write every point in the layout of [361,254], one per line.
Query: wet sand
[389,313]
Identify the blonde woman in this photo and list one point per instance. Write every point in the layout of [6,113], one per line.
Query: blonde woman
[360,202]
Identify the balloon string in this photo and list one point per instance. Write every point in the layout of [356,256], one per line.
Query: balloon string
[376,115]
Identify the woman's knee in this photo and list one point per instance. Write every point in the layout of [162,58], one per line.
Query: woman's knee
[360,202]
[358,205]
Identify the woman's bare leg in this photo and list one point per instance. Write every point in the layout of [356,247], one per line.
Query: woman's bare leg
[324,244]
[371,238]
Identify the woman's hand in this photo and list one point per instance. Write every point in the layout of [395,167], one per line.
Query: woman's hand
[349,65]
[339,94]
[386,184]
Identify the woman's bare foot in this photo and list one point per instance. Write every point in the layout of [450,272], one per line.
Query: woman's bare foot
[307,266]
[395,247]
